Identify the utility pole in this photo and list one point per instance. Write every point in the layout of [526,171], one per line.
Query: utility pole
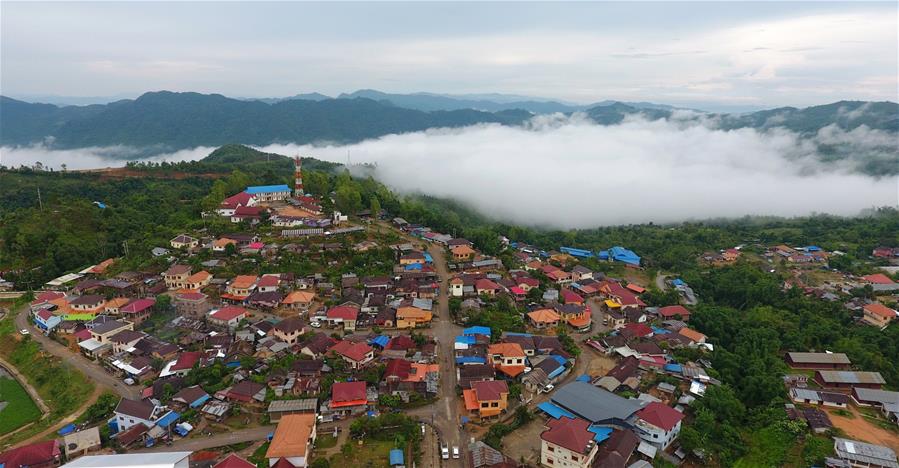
[125,247]
[39,201]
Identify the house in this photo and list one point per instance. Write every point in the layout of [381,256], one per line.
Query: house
[837,361]
[176,276]
[240,287]
[184,241]
[137,460]
[317,345]
[567,443]
[45,320]
[192,304]
[818,397]
[658,424]
[872,397]
[357,355]
[129,413]
[855,453]
[221,244]
[456,286]
[138,310]
[349,397]
[412,258]
[183,364]
[412,317]
[269,193]
[88,304]
[125,339]
[343,315]
[878,315]
[251,214]
[101,334]
[617,449]
[292,442]
[487,398]
[462,252]
[692,335]
[79,443]
[289,330]
[677,312]
[577,316]
[280,408]
[37,455]
[233,461]
[847,380]
[268,283]
[508,358]
[190,397]
[228,205]
[246,391]
[486,287]
[228,317]
[198,280]
[299,300]
[468,374]
[543,318]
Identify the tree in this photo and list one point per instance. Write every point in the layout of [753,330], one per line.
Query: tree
[375,207]
[348,199]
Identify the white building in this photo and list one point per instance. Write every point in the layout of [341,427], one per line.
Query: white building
[129,413]
[136,460]
[658,424]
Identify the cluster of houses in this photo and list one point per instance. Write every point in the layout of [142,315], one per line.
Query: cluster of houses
[836,385]
[253,203]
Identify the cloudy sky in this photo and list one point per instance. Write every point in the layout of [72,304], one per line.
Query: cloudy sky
[694,54]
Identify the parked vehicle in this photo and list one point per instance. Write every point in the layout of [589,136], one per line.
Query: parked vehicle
[24,331]
[444,452]
[455,451]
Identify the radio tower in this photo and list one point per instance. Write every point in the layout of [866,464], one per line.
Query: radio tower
[298,178]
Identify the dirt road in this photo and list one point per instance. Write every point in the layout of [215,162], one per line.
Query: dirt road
[857,427]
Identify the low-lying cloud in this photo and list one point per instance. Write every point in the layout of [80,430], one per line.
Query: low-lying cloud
[568,172]
[571,173]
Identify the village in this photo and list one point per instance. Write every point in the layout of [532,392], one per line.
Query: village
[404,346]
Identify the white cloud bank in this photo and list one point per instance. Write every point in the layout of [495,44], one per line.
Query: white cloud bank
[571,173]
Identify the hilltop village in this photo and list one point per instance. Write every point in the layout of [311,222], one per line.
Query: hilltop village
[405,346]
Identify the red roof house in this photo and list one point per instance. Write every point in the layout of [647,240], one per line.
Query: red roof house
[36,455]
[660,415]
[878,278]
[572,434]
[670,312]
[346,394]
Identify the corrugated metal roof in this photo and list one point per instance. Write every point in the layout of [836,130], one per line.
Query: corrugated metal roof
[850,377]
[819,358]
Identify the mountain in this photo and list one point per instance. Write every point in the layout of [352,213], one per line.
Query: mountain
[846,115]
[433,102]
[165,121]
[302,96]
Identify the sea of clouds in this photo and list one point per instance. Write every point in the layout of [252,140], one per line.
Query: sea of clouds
[568,172]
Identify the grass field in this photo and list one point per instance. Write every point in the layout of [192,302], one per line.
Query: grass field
[20,409]
[370,453]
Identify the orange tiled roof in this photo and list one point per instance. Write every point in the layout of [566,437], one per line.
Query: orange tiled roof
[471,400]
[544,316]
[506,349]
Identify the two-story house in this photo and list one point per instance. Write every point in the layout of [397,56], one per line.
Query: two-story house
[567,443]
[486,398]
[176,276]
[658,424]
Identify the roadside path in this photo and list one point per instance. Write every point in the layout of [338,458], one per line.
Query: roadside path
[92,370]
[207,442]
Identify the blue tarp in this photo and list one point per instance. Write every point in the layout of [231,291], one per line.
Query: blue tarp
[67,429]
[555,373]
[623,255]
[200,401]
[600,433]
[170,418]
[233,364]
[553,410]
[380,340]
[583,378]
[464,420]
[428,258]
[813,248]
[267,189]
[477,331]
[675,367]
[518,334]
[603,254]
[470,360]
[677,282]
[469,340]
[659,331]
[100,205]
[413,266]
[396,457]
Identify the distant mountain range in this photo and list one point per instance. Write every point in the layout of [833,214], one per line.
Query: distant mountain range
[165,121]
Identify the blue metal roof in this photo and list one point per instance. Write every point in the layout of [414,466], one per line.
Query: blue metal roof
[659,331]
[675,367]
[562,361]
[576,252]
[470,360]
[67,429]
[428,258]
[267,189]
[200,401]
[518,334]
[170,418]
[600,433]
[396,457]
[477,330]
[469,340]
[583,378]
[380,340]
[553,410]
[603,254]
[624,255]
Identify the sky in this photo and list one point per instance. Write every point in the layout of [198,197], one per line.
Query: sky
[701,55]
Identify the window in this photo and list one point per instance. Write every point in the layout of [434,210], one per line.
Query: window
[550,448]
[494,405]
[574,458]
[549,460]
[655,436]
[485,405]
